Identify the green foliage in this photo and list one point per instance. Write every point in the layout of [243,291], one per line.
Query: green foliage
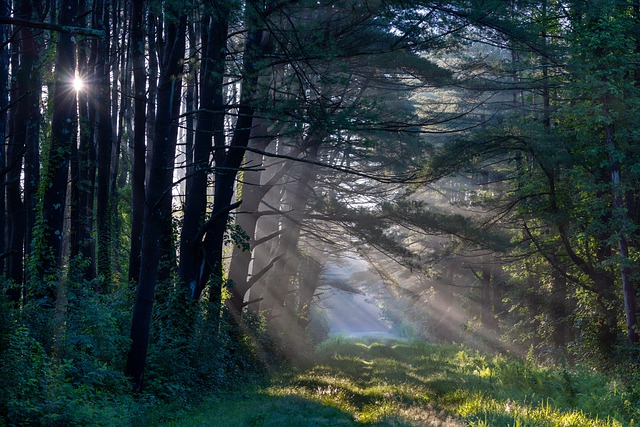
[318,327]
[194,352]
[38,389]
[557,148]
[235,235]
[23,368]
[77,379]
[65,370]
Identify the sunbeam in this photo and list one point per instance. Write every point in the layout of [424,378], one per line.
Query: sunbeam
[78,83]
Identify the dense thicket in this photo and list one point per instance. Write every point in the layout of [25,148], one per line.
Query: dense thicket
[166,224]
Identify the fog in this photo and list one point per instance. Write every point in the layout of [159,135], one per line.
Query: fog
[355,302]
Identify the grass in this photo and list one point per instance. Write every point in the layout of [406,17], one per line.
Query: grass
[407,384]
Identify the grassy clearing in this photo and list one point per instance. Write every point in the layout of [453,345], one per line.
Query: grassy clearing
[407,384]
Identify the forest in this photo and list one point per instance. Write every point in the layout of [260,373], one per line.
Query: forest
[178,178]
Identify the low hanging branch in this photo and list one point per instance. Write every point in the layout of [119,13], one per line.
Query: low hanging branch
[89,32]
[410,178]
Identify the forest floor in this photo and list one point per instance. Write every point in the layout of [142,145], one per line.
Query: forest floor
[396,383]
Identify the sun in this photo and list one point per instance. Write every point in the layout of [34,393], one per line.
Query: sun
[78,83]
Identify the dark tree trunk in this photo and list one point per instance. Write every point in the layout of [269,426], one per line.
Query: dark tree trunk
[23,64]
[283,296]
[254,190]
[105,143]
[486,314]
[266,238]
[4,103]
[63,128]
[139,124]
[559,310]
[209,131]
[121,108]
[216,225]
[619,214]
[158,197]
[603,282]
[499,289]
[25,119]
[309,279]
[190,99]
[444,304]
[152,28]
[32,166]
[83,180]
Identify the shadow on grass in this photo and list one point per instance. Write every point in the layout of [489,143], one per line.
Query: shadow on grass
[264,410]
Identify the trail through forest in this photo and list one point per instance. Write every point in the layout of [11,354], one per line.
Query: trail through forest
[401,383]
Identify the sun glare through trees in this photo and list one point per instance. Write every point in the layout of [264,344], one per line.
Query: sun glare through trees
[78,83]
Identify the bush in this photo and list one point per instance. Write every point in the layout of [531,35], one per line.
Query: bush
[72,377]
[193,352]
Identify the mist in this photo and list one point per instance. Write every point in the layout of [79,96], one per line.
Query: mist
[354,301]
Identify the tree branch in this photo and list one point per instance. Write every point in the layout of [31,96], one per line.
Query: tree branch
[89,32]
[253,301]
[254,278]
[411,178]
[214,217]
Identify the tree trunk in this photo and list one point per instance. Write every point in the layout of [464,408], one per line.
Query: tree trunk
[295,203]
[139,124]
[158,196]
[121,126]
[266,237]
[215,228]
[210,129]
[4,103]
[24,138]
[83,181]
[153,27]
[559,310]
[105,143]
[486,312]
[63,129]
[247,219]
[309,279]
[190,99]
[211,235]
[619,215]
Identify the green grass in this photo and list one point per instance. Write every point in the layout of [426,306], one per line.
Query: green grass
[406,384]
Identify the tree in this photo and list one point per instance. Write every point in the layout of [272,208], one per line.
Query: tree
[104,135]
[4,105]
[83,166]
[156,235]
[209,132]
[608,54]
[55,175]
[139,127]
[24,128]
